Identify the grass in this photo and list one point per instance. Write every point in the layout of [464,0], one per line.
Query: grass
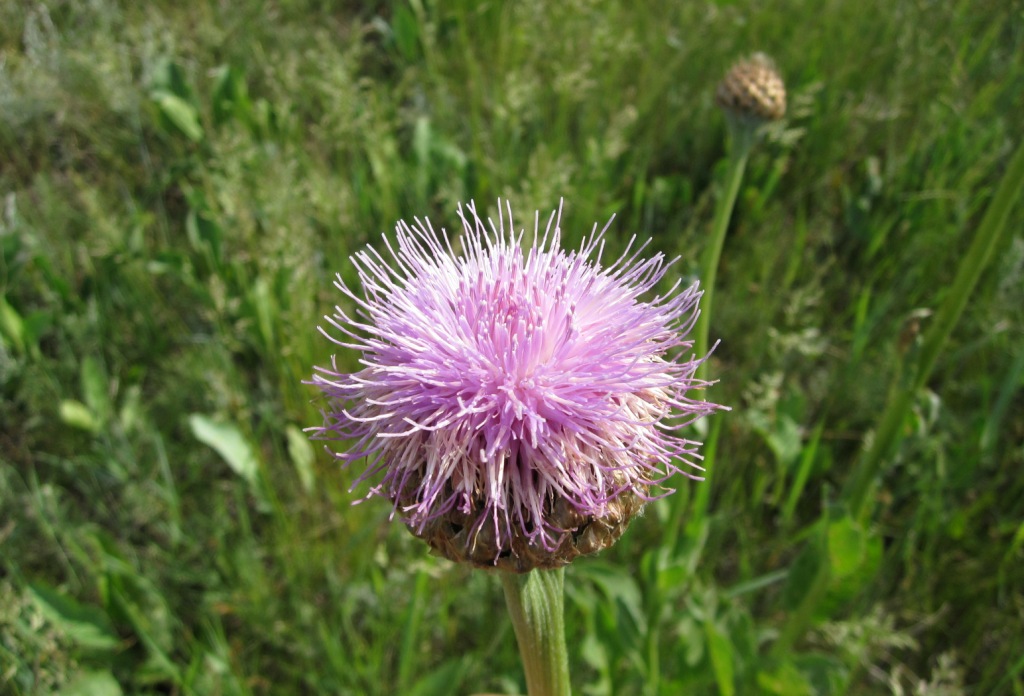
[179,183]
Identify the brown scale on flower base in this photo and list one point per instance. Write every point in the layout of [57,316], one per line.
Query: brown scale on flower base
[753,89]
[465,538]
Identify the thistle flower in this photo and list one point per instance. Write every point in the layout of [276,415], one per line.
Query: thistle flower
[520,402]
[753,89]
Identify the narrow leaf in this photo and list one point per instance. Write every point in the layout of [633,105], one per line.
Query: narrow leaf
[720,651]
[85,624]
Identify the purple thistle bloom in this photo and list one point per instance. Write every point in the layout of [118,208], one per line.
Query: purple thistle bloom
[511,397]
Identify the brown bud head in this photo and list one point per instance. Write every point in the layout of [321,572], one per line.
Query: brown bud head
[753,89]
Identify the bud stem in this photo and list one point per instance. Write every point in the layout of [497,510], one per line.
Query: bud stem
[742,133]
[536,603]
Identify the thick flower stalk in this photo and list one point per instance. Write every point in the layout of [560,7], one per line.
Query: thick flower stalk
[519,403]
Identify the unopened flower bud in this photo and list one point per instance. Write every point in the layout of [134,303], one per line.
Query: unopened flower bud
[753,89]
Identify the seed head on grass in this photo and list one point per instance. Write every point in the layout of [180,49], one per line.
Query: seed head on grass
[519,403]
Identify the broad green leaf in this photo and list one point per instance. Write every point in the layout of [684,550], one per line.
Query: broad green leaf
[846,547]
[229,443]
[92,684]
[855,555]
[85,624]
[179,112]
[77,415]
[301,453]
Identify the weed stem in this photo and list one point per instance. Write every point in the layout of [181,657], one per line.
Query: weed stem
[536,603]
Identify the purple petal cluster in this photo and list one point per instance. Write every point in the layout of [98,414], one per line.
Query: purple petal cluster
[501,377]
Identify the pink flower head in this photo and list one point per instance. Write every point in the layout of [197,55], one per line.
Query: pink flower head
[512,392]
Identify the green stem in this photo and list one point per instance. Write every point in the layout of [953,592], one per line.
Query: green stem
[985,242]
[410,633]
[681,501]
[742,136]
[536,602]
[654,660]
[742,139]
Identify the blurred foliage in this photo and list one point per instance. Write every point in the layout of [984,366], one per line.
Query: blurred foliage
[179,183]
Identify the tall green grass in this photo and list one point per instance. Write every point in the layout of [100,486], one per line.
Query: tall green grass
[179,183]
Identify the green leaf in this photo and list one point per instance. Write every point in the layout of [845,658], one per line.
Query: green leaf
[11,326]
[230,96]
[802,575]
[134,599]
[826,674]
[301,453]
[180,113]
[784,680]
[169,76]
[803,472]
[229,443]
[203,232]
[92,684]
[594,654]
[855,555]
[77,415]
[691,640]
[620,587]
[265,308]
[781,433]
[95,389]
[847,545]
[442,681]
[85,624]
[720,650]
[406,31]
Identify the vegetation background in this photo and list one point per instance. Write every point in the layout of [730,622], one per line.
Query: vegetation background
[180,181]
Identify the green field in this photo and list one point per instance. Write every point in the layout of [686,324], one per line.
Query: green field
[179,183]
